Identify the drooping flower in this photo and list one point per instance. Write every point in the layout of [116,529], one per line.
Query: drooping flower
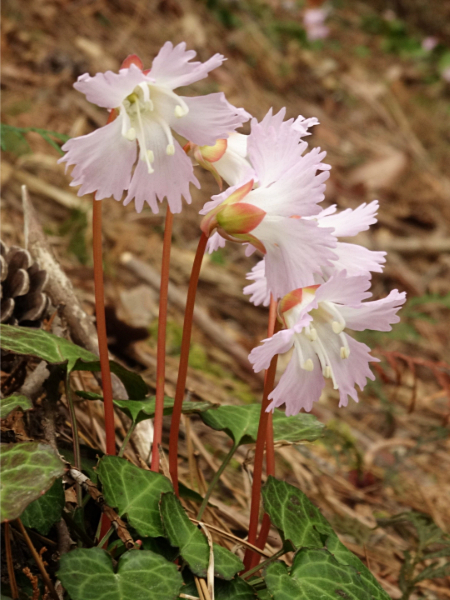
[352,258]
[315,320]
[266,212]
[144,114]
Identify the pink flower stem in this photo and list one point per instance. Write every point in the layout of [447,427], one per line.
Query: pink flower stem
[161,348]
[101,327]
[263,438]
[184,357]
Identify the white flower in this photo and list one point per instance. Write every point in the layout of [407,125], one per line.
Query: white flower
[316,318]
[147,111]
[290,185]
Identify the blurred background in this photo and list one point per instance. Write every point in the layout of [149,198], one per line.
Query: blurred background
[377,76]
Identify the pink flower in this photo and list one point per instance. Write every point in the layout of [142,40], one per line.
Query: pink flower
[352,258]
[147,111]
[315,318]
[266,212]
[429,43]
[313,20]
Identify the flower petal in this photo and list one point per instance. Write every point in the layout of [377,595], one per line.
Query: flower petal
[298,389]
[302,125]
[350,371]
[356,260]
[103,161]
[209,119]
[109,89]
[274,146]
[298,191]
[259,294]
[171,176]
[172,66]
[342,289]
[279,343]
[215,242]
[296,250]
[348,223]
[378,315]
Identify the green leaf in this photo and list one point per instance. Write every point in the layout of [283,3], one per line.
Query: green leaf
[56,350]
[28,470]
[139,410]
[160,546]
[42,344]
[192,543]
[9,132]
[13,140]
[46,510]
[291,511]
[240,423]
[298,428]
[134,493]
[87,574]
[280,585]
[294,514]
[236,589]
[344,556]
[7,405]
[134,384]
[315,575]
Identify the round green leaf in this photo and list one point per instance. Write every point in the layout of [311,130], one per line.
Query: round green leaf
[344,556]
[315,575]
[240,423]
[28,470]
[298,428]
[7,405]
[46,510]
[192,543]
[43,345]
[134,492]
[291,511]
[87,574]
[139,410]
[57,350]
[236,589]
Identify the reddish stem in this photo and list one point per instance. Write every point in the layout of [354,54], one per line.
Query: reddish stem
[161,348]
[184,358]
[101,327]
[264,438]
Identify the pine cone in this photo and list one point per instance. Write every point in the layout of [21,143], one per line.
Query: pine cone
[22,299]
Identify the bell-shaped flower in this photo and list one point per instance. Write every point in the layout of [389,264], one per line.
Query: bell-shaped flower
[315,320]
[144,114]
[352,258]
[289,186]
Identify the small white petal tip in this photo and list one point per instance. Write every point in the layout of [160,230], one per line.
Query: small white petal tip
[327,372]
[170,150]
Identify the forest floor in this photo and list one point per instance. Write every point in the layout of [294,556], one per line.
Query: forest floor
[384,115]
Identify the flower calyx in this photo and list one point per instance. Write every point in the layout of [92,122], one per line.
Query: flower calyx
[205,156]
